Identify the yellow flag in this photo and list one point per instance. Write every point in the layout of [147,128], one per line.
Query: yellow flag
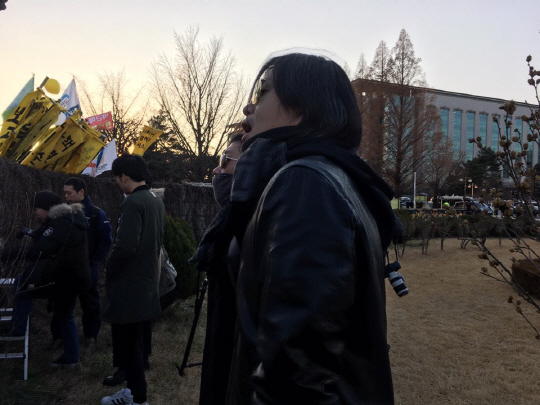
[40,151]
[64,140]
[39,128]
[36,153]
[16,118]
[84,153]
[147,137]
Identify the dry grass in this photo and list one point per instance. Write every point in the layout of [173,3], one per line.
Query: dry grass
[454,340]
[83,385]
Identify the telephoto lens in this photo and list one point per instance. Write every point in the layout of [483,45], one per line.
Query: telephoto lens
[398,283]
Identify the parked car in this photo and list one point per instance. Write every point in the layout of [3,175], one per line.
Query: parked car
[480,207]
[403,201]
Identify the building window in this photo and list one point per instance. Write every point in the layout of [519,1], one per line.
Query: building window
[495,133]
[445,112]
[456,137]
[483,130]
[470,134]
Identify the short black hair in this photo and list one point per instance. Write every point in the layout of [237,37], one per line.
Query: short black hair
[77,184]
[320,91]
[133,166]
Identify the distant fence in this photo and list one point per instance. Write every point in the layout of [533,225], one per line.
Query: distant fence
[18,184]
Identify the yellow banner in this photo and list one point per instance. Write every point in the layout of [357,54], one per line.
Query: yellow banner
[86,153]
[63,141]
[147,137]
[16,118]
[39,128]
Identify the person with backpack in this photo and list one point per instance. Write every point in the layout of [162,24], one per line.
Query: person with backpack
[99,244]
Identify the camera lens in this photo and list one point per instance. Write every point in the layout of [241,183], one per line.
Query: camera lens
[398,283]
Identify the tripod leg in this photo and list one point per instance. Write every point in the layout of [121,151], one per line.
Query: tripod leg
[198,307]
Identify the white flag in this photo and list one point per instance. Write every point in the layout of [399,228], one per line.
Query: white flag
[70,101]
[103,161]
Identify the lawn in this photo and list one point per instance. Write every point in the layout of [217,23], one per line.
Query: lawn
[454,340]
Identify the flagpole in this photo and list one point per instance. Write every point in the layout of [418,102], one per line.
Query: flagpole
[43,82]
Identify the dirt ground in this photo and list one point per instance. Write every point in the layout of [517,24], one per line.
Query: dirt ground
[455,339]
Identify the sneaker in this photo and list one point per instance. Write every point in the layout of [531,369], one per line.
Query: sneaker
[117,378]
[61,364]
[120,398]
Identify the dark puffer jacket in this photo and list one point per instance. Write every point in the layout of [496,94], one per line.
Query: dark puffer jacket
[311,296]
[59,252]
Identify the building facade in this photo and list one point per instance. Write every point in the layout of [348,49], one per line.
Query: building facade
[464,116]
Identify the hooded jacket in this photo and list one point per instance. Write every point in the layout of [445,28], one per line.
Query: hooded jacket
[310,290]
[59,250]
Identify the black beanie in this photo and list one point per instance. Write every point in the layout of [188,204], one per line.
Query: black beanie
[46,199]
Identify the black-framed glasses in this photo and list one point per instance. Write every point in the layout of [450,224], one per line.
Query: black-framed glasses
[223,160]
[256,94]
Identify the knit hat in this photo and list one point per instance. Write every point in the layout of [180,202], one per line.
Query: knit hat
[46,199]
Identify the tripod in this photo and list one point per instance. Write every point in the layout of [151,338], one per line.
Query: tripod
[198,306]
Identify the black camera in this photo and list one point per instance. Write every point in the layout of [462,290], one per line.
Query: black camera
[396,279]
[24,232]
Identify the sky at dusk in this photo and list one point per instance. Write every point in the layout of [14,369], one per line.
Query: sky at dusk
[476,46]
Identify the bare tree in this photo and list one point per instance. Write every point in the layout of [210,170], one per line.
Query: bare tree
[129,110]
[441,167]
[378,70]
[361,68]
[199,93]
[399,127]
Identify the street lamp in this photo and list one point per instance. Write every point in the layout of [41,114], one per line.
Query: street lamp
[464,188]
[472,186]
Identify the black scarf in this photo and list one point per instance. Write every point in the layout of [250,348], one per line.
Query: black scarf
[267,152]
[217,236]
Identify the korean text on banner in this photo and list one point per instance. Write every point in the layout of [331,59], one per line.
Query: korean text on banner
[101,121]
[147,137]
[15,119]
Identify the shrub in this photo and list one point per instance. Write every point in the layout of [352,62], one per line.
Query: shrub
[527,275]
[180,245]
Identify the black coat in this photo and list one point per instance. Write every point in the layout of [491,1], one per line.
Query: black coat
[311,295]
[132,271]
[58,252]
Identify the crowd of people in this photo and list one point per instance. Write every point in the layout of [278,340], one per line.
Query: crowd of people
[294,258]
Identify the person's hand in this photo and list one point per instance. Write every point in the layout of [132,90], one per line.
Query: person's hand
[24,231]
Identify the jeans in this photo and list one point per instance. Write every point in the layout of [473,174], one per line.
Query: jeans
[91,318]
[63,310]
[21,311]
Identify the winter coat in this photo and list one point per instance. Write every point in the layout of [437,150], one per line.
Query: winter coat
[311,294]
[58,252]
[99,232]
[132,270]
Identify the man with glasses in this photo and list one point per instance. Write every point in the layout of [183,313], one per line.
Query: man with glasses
[212,257]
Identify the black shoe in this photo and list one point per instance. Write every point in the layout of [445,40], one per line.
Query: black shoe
[63,365]
[117,378]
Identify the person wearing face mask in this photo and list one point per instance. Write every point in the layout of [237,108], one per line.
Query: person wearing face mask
[211,257]
[313,222]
